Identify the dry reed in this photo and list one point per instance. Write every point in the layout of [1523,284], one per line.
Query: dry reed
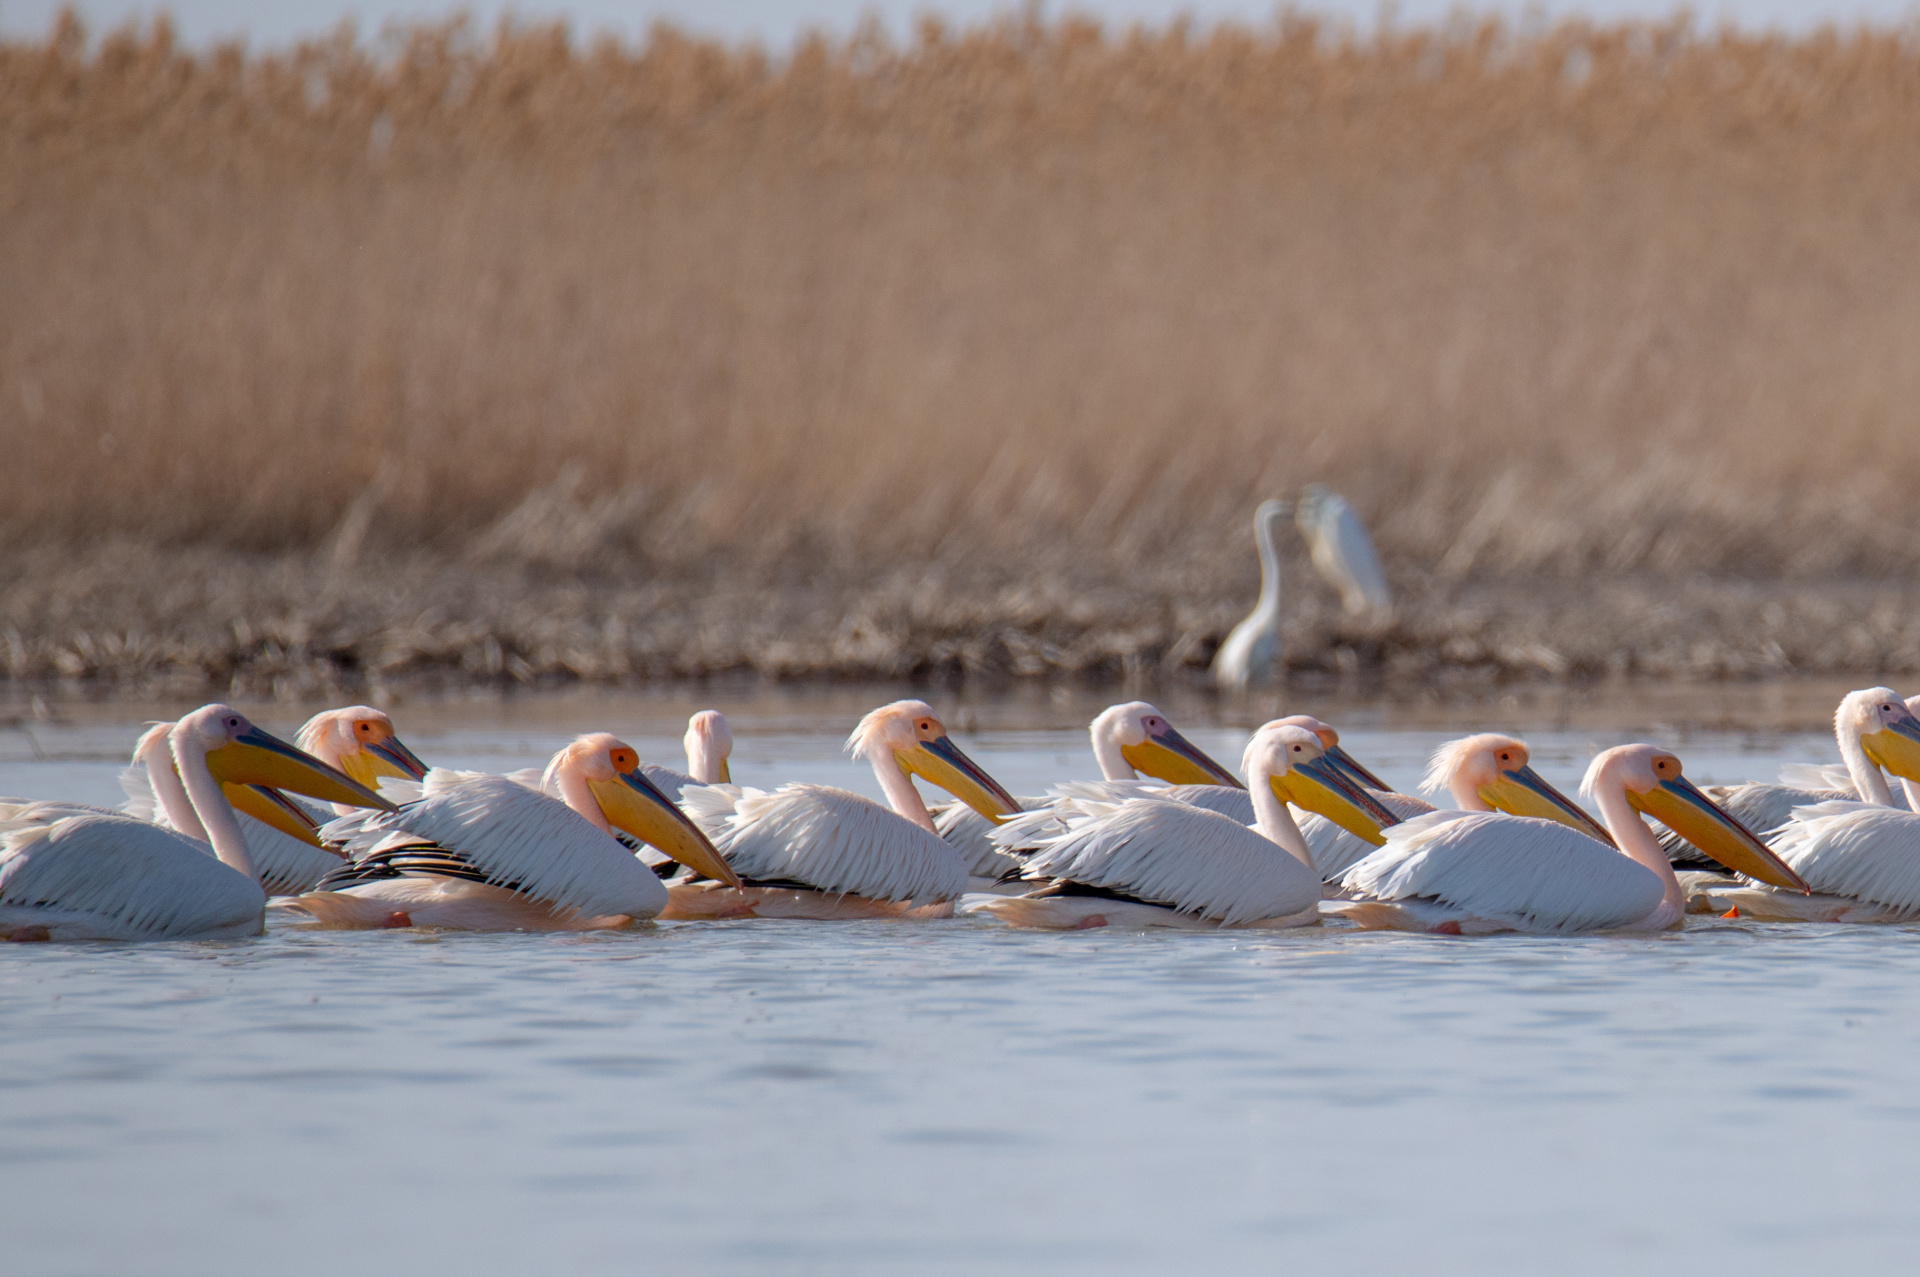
[970,354]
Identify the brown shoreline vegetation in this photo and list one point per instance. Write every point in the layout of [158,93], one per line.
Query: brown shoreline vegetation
[508,357]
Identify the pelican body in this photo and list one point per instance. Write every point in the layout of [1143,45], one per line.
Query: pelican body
[486,853]
[1472,873]
[816,851]
[99,876]
[1153,861]
[1861,859]
[1128,740]
[1874,729]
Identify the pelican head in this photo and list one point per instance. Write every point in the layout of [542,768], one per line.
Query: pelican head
[1886,728]
[619,796]
[1650,778]
[1148,743]
[1330,741]
[709,743]
[238,753]
[1489,772]
[1293,762]
[360,741]
[910,733]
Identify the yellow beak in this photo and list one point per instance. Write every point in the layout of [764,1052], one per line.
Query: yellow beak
[270,807]
[260,758]
[1522,792]
[1681,807]
[632,803]
[1171,757]
[1320,786]
[1896,747]
[390,758]
[940,762]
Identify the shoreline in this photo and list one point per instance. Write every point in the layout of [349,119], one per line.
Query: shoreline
[129,623]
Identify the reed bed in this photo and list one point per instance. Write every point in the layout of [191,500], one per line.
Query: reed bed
[505,355]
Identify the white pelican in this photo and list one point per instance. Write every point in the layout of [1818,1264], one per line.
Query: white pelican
[709,744]
[1157,862]
[112,877]
[1127,739]
[1471,873]
[1873,727]
[282,836]
[360,741]
[1250,656]
[486,853]
[1488,772]
[814,851]
[1342,551]
[1862,859]
[1333,848]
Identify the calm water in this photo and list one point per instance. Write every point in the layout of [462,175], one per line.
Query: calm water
[953,1097]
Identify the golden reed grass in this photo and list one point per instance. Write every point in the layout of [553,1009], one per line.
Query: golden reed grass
[973,353]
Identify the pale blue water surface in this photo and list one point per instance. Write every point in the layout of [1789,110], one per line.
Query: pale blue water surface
[955,1097]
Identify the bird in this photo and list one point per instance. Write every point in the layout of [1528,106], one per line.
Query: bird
[1861,858]
[709,744]
[1127,740]
[1485,772]
[282,836]
[104,876]
[1250,656]
[1332,847]
[480,852]
[815,851]
[1342,552]
[1873,727]
[361,742]
[1157,862]
[1473,873]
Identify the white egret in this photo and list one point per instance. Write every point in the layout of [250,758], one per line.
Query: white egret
[1471,873]
[1250,656]
[485,853]
[111,877]
[1341,550]
[1152,861]
[815,851]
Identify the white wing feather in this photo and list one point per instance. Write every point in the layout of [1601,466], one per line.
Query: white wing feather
[831,839]
[669,781]
[135,878]
[1538,874]
[1334,850]
[514,835]
[971,835]
[1188,858]
[1855,849]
